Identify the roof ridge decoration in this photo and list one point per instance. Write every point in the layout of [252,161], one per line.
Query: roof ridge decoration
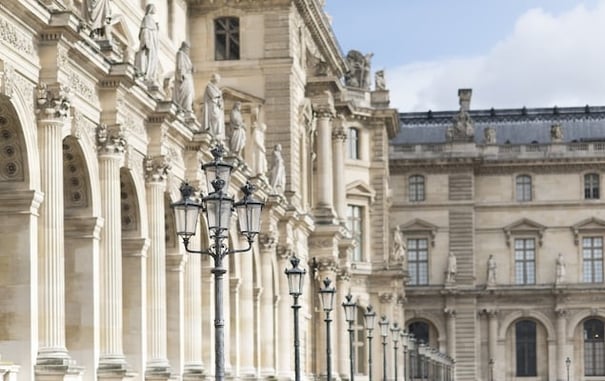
[463,129]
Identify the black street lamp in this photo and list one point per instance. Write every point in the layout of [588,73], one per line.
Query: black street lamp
[404,343]
[384,332]
[295,283]
[327,301]
[218,207]
[370,317]
[491,369]
[567,364]
[395,338]
[350,308]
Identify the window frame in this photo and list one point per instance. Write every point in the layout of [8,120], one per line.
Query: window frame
[416,189]
[595,275]
[592,186]
[595,367]
[231,35]
[528,276]
[526,349]
[353,143]
[525,194]
[357,254]
[414,250]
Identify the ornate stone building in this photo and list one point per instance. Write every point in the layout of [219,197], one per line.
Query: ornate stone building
[515,196]
[99,126]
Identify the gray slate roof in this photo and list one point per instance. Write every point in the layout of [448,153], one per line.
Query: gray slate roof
[514,126]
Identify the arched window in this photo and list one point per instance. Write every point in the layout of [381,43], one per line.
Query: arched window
[226,38]
[591,186]
[353,143]
[523,184]
[525,348]
[360,342]
[594,348]
[416,188]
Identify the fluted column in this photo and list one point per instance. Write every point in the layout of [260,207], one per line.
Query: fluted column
[156,170]
[53,107]
[267,336]
[450,321]
[194,365]
[492,340]
[246,321]
[325,190]
[339,137]
[341,352]
[284,320]
[111,144]
[561,353]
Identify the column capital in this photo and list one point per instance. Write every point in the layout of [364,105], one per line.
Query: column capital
[386,297]
[110,139]
[156,168]
[52,101]
[268,240]
[560,312]
[491,312]
[449,312]
[285,251]
[339,133]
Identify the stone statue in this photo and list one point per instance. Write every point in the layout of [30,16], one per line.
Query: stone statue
[182,94]
[560,270]
[491,271]
[214,117]
[146,59]
[360,67]
[452,268]
[277,177]
[398,253]
[556,133]
[463,128]
[238,137]
[99,16]
[489,135]
[259,154]
[379,82]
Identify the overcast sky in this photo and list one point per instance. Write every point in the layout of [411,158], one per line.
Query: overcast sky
[512,53]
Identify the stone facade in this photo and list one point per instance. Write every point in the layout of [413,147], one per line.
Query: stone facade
[94,283]
[522,187]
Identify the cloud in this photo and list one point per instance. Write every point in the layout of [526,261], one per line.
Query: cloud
[546,60]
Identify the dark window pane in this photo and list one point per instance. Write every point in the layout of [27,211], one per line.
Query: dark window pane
[226,41]
[525,337]
[594,348]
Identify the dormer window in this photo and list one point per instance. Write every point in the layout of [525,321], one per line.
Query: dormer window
[226,38]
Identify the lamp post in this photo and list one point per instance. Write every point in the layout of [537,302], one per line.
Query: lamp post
[567,364]
[218,207]
[413,359]
[370,317]
[395,338]
[350,308]
[404,343]
[384,332]
[491,369]
[422,356]
[295,283]
[326,294]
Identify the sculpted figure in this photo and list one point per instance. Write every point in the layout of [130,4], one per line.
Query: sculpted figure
[398,253]
[452,268]
[183,79]
[278,171]
[214,117]
[146,59]
[367,67]
[490,135]
[379,81]
[556,133]
[99,16]
[259,155]
[560,270]
[238,139]
[491,271]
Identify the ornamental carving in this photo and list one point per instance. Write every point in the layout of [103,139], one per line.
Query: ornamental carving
[15,38]
[82,87]
[463,128]
[11,145]
[110,139]
[7,80]
[156,168]
[75,179]
[52,101]
[129,203]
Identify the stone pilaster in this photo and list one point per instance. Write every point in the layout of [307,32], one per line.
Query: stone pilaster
[268,243]
[246,325]
[156,170]
[339,137]
[284,318]
[175,309]
[450,327]
[561,335]
[53,361]
[112,363]
[324,208]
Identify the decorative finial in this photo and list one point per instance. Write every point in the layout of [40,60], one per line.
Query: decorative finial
[218,151]
[218,184]
[186,189]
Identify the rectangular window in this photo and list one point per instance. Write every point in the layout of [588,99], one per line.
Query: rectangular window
[226,38]
[525,261]
[523,188]
[525,337]
[592,257]
[591,186]
[355,225]
[416,188]
[353,143]
[418,261]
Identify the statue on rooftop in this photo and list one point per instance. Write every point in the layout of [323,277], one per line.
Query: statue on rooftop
[489,135]
[463,128]
[360,67]
[556,133]
[379,82]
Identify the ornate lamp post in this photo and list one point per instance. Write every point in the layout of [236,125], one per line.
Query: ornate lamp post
[370,318]
[218,207]
[395,338]
[491,369]
[327,301]
[295,283]
[422,356]
[350,308]
[384,332]
[404,344]
[567,364]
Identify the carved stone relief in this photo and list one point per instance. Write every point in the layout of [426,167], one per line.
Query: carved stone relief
[15,38]
[11,145]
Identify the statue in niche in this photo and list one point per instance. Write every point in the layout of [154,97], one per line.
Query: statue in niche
[99,16]
[560,270]
[278,171]
[360,68]
[556,133]
[214,117]
[452,268]
[146,59]
[491,271]
[489,135]
[183,80]
[259,154]
[398,252]
[379,81]
[238,128]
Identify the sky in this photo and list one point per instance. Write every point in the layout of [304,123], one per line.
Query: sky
[512,53]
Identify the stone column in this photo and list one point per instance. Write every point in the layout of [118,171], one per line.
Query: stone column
[492,340]
[561,335]
[325,190]
[450,321]
[112,363]
[232,327]
[175,308]
[194,366]
[267,336]
[285,318]
[246,314]
[339,137]
[53,358]
[340,326]
[156,170]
